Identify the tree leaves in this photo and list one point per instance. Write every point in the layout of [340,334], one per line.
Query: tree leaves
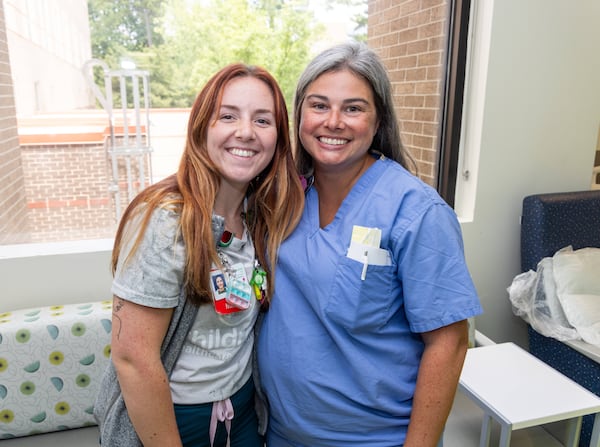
[183,42]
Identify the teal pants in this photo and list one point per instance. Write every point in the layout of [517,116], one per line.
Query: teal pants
[193,422]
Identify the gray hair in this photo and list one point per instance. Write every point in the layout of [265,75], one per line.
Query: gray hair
[363,62]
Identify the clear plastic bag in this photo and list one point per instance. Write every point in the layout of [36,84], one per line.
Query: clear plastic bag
[533,297]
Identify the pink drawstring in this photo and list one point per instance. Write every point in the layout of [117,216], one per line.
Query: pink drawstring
[223,412]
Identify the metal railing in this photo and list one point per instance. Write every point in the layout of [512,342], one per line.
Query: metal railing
[128,142]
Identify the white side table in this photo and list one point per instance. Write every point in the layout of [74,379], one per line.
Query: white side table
[518,391]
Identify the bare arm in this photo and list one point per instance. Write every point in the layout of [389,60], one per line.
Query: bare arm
[137,335]
[440,368]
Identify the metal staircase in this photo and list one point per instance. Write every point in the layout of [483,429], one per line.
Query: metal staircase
[127,145]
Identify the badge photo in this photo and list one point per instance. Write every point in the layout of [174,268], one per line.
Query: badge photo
[220,290]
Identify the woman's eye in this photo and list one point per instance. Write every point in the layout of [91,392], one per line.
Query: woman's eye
[353,109]
[263,122]
[227,117]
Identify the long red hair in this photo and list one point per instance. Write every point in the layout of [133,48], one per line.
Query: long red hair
[276,197]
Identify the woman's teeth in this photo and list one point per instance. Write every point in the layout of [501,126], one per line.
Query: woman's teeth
[334,141]
[241,152]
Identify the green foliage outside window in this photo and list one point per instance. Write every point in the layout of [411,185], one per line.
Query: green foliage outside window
[183,42]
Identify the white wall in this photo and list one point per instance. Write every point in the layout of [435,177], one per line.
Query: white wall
[539,131]
[51,274]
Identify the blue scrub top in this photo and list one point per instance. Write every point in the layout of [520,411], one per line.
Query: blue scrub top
[339,355]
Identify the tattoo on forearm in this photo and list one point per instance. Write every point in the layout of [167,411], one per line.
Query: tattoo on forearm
[117,306]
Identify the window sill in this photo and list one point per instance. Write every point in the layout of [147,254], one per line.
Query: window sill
[55,248]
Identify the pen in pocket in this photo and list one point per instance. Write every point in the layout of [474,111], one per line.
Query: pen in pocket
[365,264]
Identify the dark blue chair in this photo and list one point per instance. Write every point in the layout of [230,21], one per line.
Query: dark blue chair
[550,222]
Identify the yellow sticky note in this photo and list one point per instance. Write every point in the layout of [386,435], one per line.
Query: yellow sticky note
[366,236]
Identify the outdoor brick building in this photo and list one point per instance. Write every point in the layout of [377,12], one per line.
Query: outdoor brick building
[66,189]
[410,37]
[14,226]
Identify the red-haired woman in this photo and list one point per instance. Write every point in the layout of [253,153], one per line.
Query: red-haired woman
[181,368]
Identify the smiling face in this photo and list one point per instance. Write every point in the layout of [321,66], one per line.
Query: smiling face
[220,283]
[242,137]
[338,120]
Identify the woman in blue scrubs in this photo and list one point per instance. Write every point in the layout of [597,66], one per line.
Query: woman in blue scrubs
[366,334]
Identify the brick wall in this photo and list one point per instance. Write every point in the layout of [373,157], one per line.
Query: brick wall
[68,190]
[14,226]
[410,37]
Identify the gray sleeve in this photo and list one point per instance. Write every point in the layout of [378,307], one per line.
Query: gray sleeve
[153,276]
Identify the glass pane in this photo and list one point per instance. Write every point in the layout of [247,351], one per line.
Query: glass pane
[100,94]
[74,153]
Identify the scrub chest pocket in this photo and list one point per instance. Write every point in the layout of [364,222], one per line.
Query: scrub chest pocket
[362,304]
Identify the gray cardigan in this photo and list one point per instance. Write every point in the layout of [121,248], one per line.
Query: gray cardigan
[116,429]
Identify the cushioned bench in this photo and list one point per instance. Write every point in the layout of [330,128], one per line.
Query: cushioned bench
[51,363]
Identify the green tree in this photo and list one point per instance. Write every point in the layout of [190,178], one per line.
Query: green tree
[129,25]
[123,28]
[183,42]
[201,37]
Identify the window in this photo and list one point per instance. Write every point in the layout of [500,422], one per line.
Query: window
[83,136]
[73,157]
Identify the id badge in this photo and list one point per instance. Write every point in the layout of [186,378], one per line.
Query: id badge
[220,289]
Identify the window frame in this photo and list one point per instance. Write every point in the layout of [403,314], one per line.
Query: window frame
[453,98]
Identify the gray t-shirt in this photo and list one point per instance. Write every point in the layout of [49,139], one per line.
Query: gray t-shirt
[216,358]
